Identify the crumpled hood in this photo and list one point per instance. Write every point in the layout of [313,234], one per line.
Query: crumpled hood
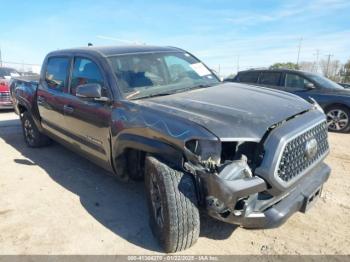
[231,111]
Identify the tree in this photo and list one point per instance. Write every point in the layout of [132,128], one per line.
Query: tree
[307,66]
[231,76]
[288,65]
[346,72]
[331,69]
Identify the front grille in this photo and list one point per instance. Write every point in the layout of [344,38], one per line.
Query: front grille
[294,160]
[5,97]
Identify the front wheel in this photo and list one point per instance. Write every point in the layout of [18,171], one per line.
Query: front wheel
[338,119]
[172,200]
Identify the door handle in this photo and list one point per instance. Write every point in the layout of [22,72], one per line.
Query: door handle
[68,109]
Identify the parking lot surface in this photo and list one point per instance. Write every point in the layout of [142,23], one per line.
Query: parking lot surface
[53,201]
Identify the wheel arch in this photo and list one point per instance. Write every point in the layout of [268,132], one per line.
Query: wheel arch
[23,105]
[126,143]
[336,104]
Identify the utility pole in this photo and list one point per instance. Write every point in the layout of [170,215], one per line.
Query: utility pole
[328,61]
[237,64]
[299,48]
[316,61]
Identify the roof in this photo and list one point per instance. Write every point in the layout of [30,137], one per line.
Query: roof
[118,50]
[273,70]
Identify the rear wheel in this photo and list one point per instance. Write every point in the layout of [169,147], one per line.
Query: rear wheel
[32,135]
[338,119]
[174,215]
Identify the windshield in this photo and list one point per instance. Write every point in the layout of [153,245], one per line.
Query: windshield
[324,82]
[151,74]
[8,72]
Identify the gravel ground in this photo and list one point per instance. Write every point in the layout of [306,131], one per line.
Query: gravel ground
[55,202]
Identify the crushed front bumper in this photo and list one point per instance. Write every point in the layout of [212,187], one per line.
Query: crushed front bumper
[222,196]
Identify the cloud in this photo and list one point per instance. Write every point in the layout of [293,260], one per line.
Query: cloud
[262,51]
[293,11]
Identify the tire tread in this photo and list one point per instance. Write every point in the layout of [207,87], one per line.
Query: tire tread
[182,209]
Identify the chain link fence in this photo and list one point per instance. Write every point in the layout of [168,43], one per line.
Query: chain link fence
[22,67]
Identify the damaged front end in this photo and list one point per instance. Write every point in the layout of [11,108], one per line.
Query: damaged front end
[224,174]
[260,184]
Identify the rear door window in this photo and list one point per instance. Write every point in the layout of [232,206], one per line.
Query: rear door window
[57,73]
[270,78]
[249,77]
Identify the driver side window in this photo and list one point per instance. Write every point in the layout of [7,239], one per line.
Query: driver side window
[295,81]
[84,72]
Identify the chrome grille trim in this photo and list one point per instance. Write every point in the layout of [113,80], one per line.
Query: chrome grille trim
[292,162]
[5,97]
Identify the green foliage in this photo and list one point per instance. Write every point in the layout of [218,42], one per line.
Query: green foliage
[288,65]
[346,72]
[231,76]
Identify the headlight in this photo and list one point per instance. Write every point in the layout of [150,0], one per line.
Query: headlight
[205,150]
[316,105]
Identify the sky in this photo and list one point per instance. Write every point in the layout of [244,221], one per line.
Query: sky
[226,35]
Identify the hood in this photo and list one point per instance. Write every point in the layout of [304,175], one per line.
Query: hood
[231,111]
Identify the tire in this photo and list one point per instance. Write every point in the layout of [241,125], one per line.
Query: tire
[32,135]
[172,201]
[338,119]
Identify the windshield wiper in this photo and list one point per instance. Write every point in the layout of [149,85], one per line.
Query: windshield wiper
[132,95]
[153,95]
[202,86]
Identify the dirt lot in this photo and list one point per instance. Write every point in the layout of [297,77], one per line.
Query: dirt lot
[55,202]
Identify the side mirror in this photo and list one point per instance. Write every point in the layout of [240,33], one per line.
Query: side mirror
[310,86]
[89,91]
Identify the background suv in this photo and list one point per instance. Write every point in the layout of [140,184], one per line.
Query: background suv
[333,98]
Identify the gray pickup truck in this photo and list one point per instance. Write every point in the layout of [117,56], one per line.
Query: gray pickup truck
[248,156]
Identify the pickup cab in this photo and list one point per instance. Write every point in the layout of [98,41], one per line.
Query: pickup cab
[245,155]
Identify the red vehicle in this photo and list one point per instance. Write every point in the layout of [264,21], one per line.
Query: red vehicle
[5,76]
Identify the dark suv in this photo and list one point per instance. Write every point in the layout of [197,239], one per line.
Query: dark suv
[333,98]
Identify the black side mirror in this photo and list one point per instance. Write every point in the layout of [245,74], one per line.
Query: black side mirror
[89,91]
[310,86]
